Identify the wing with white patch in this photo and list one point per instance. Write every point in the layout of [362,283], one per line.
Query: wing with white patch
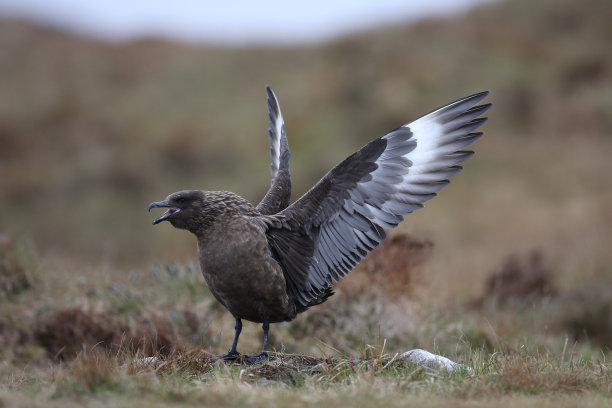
[345,213]
[278,196]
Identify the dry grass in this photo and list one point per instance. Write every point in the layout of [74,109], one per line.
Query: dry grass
[185,379]
[95,351]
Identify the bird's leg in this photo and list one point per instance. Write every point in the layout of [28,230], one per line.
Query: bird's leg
[266,328]
[264,354]
[233,354]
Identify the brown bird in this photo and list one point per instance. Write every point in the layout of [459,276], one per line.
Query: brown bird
[268,263]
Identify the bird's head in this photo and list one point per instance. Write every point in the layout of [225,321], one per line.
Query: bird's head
[196,210]
[184,209]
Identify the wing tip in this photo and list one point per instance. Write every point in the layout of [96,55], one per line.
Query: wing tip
[466,154]
[475,98]
[271,93]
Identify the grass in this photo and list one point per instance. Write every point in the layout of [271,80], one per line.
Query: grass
[520,377]
[94,346]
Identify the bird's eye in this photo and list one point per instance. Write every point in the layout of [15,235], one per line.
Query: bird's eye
[180,200]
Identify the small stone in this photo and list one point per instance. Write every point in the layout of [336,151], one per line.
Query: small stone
[423,358]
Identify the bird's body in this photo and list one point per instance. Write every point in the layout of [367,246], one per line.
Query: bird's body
[239,267]
[268,263]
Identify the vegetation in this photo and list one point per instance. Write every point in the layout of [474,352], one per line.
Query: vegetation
[507,272]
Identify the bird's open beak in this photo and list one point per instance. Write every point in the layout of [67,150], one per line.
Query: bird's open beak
[167,214]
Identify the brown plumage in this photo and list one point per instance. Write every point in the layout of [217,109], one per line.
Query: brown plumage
[268,263]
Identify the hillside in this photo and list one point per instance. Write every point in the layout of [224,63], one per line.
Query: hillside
[507,271]
[92,132]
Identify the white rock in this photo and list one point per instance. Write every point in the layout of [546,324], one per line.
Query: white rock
[424,358]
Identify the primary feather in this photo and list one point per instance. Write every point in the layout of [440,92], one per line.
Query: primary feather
[279,194]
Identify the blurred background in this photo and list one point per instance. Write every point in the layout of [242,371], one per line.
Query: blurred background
[107,106]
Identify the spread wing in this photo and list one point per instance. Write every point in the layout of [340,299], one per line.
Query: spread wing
[278,196]
[324,234]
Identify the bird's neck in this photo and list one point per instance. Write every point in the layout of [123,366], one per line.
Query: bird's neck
[219,208]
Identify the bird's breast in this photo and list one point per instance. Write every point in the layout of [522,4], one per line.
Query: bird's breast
[242,274]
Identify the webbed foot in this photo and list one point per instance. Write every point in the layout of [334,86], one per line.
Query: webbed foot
[263,356]
[229,356]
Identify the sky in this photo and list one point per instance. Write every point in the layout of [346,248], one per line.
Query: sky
[236,22]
